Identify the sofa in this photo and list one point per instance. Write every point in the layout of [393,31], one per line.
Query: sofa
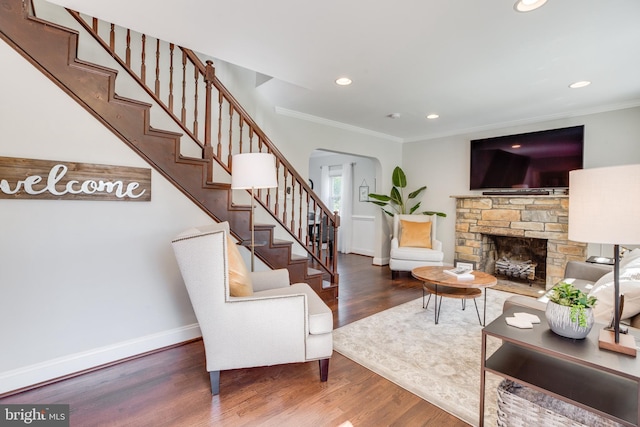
[597,280]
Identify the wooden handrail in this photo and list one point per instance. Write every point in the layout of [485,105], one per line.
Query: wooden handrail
[293,203]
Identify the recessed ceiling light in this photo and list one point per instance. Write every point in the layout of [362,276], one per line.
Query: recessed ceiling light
[528,5]
[343,81]
[579,84]
[432,116]
[393,115]
[516,146]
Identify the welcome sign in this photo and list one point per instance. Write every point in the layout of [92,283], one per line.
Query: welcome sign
[49,179]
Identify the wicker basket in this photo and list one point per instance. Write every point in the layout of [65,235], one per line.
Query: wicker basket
[524,407]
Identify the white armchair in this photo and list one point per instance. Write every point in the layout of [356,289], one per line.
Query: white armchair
[412,251]
[279,323]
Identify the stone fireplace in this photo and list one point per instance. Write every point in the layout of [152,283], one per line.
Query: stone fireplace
[479,219]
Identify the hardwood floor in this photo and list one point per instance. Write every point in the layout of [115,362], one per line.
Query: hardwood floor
[171,387]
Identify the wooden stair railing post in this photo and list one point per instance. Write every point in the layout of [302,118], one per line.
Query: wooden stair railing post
[209,154]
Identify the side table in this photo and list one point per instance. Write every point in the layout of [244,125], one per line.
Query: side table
[575,371]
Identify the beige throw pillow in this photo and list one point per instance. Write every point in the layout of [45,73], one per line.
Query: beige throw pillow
[239,280]
[415,234]
[603,290]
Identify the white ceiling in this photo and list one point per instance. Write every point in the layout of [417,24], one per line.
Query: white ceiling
[476,63]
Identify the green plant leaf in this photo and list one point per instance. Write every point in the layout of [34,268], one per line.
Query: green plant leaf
[398,178]
[396,197]
[380,197]
[414,208]
[413,194]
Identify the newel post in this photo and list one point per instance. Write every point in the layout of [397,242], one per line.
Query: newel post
[209,75]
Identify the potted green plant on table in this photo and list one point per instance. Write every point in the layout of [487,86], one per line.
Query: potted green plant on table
[396,200]
[569,311]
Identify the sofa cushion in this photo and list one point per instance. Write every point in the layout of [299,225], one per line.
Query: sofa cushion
[239,280]
[416,254]
[415,234]
[603,290]
[522,301]
[320,316]
[630,259]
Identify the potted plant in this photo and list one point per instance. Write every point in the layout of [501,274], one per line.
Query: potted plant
[396,200]
[569,311]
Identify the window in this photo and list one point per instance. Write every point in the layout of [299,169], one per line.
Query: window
[336,192]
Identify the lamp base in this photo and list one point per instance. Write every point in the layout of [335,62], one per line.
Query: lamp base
[627,344]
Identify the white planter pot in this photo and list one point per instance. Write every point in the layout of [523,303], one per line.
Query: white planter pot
[559,319]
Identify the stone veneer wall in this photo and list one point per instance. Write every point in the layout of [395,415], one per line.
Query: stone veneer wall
[542,217]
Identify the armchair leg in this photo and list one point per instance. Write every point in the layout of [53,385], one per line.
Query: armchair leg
[215,382]
[394,274]
[324,369]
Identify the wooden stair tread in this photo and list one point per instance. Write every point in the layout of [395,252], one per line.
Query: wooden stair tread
[328,285]
[313,272]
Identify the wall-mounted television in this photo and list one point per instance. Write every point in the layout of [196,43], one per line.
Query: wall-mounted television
[535,160]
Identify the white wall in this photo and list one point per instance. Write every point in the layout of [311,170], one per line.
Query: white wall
[442,164]
[82,282]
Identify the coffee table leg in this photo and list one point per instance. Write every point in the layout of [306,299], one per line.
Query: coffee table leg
[484,320]
[478,312]
[436,312]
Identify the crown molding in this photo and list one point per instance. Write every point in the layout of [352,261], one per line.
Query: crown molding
[335,124]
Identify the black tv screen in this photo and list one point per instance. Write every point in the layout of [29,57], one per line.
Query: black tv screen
[529,160]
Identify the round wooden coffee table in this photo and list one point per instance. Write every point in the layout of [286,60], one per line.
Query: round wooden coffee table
[438,283]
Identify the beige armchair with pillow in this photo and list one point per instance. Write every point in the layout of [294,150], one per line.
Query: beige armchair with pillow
[414,243]
[249,319]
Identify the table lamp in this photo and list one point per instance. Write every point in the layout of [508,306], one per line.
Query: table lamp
[604,207]
[251,171]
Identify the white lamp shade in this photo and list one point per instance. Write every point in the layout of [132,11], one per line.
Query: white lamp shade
[604,205]
[253,170]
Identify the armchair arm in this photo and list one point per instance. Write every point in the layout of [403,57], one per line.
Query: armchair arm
[257,331]
[394,243]
[270,279]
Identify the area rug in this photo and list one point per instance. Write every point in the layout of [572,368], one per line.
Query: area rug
[439,363]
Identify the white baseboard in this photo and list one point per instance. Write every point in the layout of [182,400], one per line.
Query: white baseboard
[362,251]
[78,362]
[380,261]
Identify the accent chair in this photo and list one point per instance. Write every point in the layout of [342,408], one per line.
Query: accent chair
[263,321]
[414,243]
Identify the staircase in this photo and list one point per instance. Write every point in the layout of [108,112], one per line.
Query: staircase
[191,95]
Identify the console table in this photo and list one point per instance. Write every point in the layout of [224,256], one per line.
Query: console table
[575,371]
